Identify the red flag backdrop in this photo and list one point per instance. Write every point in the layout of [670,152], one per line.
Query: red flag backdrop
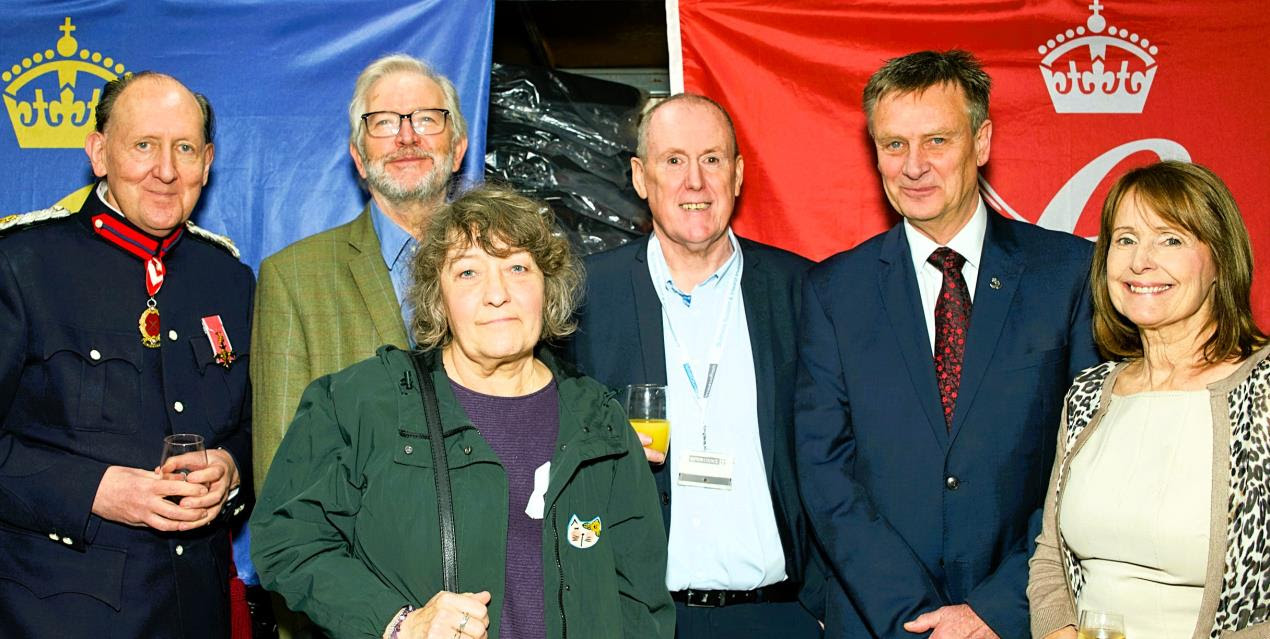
[1082,91]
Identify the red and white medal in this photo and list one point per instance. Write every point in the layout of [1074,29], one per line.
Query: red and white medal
[117,232]
[214,329]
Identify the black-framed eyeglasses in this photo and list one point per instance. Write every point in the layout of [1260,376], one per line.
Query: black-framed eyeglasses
[387,124]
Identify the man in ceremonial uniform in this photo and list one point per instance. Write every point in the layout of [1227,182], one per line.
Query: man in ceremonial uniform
[711,316]
[122,324]
[331,299]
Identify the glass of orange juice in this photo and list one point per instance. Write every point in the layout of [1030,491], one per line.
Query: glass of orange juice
[646,408]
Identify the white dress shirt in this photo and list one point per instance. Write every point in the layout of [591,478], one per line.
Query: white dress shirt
[968,242]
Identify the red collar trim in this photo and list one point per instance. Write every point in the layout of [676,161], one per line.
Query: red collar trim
[118,232]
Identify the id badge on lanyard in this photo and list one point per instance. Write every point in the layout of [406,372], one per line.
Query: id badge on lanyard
[705,468]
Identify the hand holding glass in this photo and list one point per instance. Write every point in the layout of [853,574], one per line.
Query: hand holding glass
[1095,624]
[646,408]
[187,452]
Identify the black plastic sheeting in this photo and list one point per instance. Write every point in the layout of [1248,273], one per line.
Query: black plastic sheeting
[568,139]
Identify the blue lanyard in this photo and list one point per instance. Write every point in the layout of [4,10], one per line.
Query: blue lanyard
[701,395]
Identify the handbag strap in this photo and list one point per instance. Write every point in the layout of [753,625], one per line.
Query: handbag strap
[441,472]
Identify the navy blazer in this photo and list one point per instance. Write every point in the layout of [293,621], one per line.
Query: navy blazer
[620,341]
[913,517]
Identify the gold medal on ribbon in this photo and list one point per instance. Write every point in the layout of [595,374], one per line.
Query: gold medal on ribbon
[149,326]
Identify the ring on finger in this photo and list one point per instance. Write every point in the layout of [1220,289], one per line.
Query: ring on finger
[462,623]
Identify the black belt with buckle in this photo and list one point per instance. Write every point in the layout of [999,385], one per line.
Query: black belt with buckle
[783,591]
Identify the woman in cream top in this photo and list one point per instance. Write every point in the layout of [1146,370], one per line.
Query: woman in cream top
[1136,511]
[1156,509]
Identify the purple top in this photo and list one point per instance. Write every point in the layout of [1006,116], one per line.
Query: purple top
[522,431]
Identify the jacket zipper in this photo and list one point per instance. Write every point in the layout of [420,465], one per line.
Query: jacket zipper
[555,529]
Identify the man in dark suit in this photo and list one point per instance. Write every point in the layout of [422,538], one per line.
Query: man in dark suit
[123,323]
[933,360]
[712,316]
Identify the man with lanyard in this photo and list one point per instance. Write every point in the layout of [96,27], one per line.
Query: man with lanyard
[712,316]
[123,324]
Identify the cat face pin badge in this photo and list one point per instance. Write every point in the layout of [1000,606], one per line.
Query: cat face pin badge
[583,534]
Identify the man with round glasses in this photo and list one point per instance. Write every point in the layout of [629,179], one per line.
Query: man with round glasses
[327,301]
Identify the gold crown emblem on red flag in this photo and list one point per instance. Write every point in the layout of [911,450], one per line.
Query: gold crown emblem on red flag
[40,93]
[1097,67]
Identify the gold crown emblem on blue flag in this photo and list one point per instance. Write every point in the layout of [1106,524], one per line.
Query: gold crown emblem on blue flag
[40,93]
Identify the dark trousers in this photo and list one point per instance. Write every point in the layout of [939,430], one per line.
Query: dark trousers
[777,620]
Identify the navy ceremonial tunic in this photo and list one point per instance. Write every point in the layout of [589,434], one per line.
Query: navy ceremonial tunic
[80,392]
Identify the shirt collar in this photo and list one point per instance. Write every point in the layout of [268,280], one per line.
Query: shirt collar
[661,271]
[393,240]
[103,194]
[102,191]
[968,241]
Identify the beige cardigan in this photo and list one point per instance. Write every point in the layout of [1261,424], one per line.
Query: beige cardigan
[1236,599]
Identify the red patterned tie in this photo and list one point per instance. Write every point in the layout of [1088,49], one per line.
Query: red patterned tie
[952,319]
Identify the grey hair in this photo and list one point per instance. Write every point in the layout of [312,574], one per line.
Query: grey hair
[641,134]
[400,63]
[916,72]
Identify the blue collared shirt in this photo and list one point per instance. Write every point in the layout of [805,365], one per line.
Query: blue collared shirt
[719,539]
[397,248]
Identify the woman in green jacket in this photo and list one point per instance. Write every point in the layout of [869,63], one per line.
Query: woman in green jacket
[557,525]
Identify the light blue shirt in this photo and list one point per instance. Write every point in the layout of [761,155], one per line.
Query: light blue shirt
[719,539]
[397,248]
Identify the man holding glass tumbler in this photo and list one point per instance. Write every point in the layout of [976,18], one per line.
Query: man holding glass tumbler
[122,324]
[712,317]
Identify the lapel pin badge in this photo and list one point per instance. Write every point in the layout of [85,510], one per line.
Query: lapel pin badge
[995,284]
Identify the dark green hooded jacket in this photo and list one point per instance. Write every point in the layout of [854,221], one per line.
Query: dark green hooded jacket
[346,531]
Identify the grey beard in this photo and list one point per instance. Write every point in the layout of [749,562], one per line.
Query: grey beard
[429,188]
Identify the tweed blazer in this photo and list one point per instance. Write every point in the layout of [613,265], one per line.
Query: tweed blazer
[322,304]
[1236,599]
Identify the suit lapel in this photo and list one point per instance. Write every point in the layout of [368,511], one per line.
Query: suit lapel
[1000,262]
[648,318]
[754,287]
[371,276]
[898,286]
[652,349]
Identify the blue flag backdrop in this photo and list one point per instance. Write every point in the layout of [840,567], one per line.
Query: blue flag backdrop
[279,75]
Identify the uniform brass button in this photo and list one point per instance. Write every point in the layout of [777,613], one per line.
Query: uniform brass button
[172,335]
[409,450]
[467,450]
[54,536]
[180,550]
[67,541]
[94,354]
[952,483]
[178,407]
